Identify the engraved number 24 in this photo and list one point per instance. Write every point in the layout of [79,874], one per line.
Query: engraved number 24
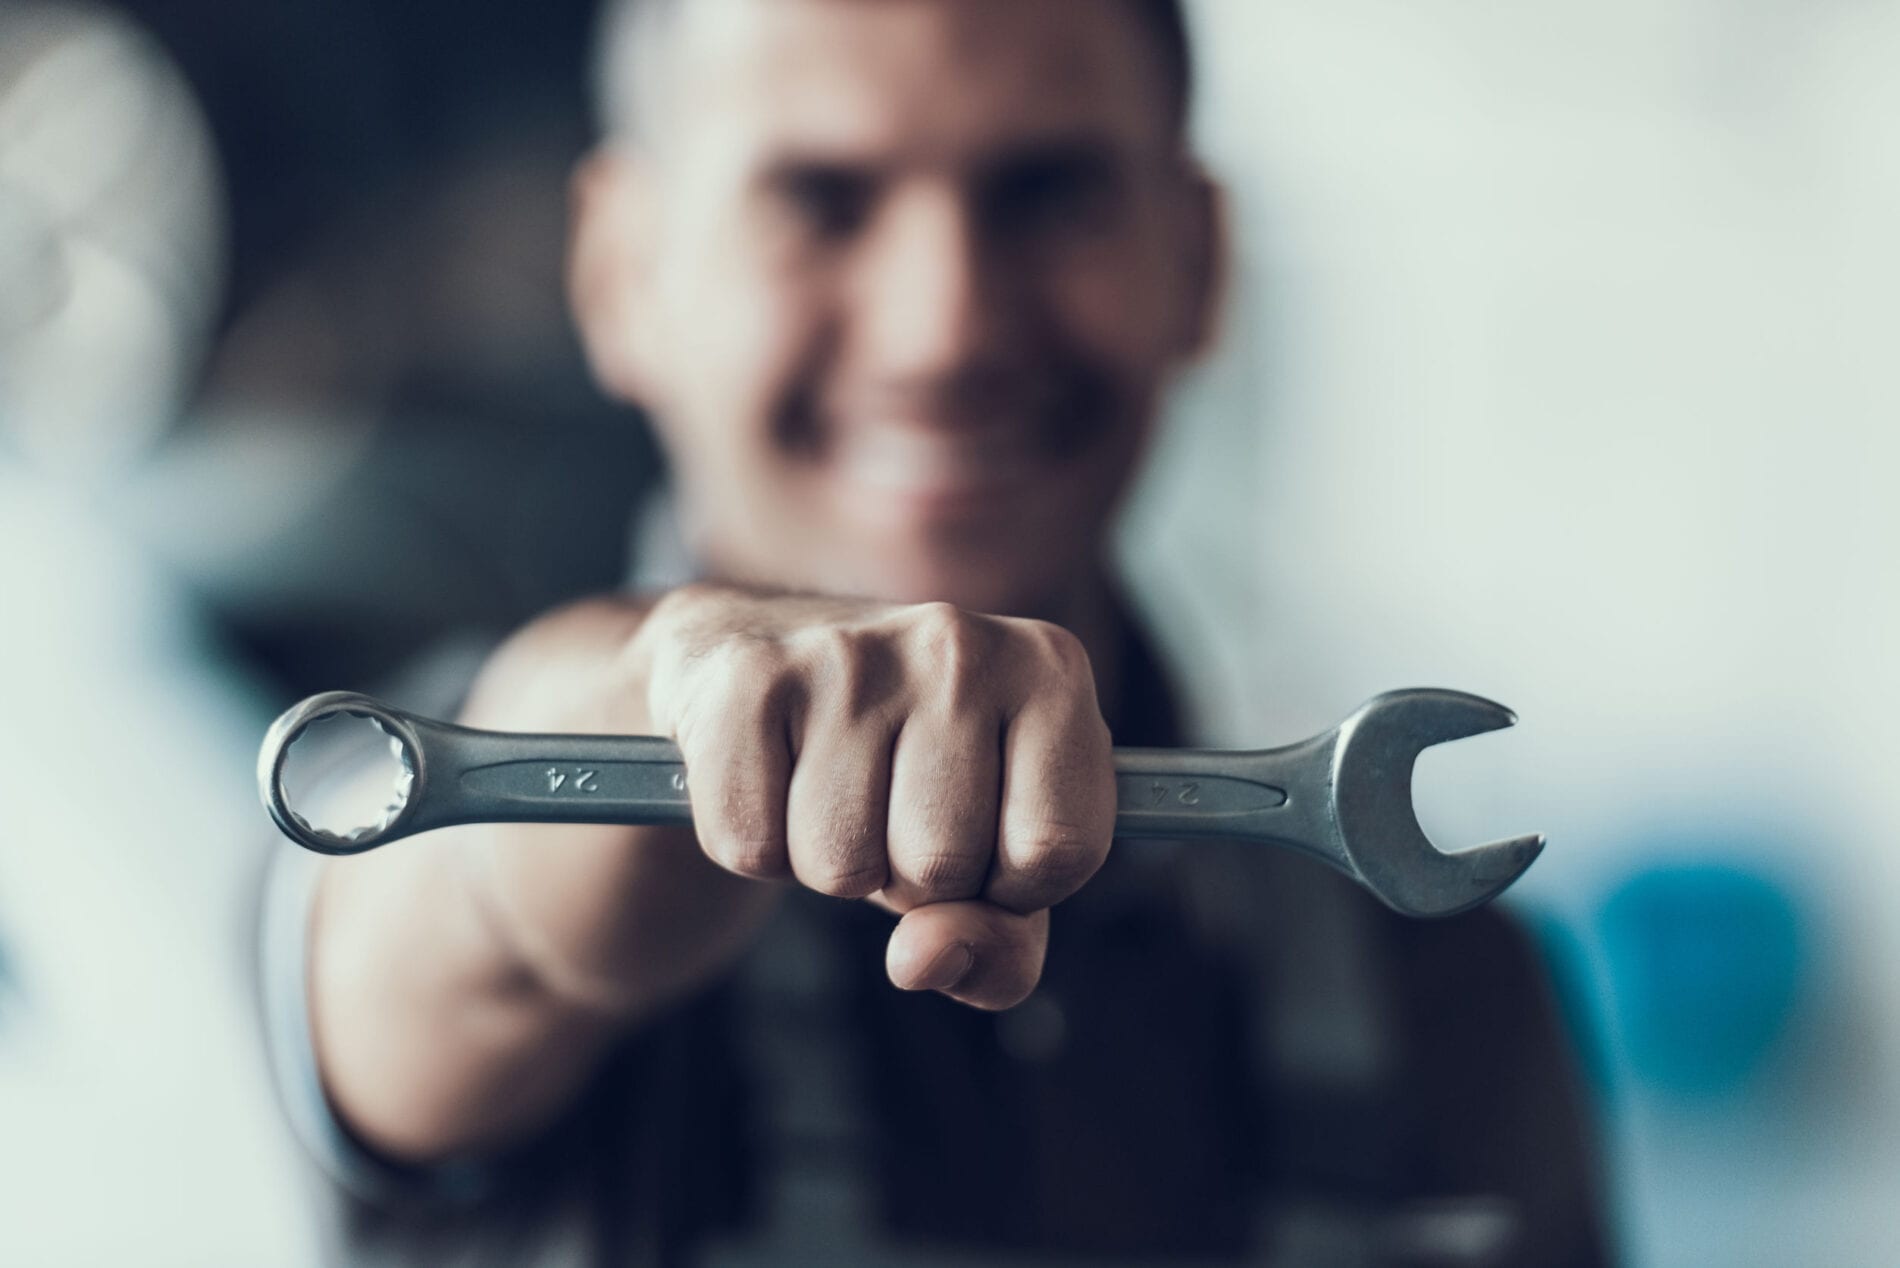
[1186,794]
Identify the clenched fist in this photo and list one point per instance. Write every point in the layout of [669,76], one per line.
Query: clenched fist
[954,767]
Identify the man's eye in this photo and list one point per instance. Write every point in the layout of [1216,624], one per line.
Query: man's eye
[826,202]
[1051,196]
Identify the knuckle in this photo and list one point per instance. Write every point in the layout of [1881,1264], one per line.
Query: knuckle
[741,834]
[937,619]
[847,877]
[852,664]
[955,650]
[754,855]
[830,649]
[1050,662]
[947,874]
[737,692]
[945,629]
[842,859]
[1059,649]
[747,664]
[1054,857]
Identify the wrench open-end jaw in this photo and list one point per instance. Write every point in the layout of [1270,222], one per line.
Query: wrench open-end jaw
[1344,797]
[1377,830]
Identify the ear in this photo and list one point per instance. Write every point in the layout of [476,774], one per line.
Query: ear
[609,274]
[1206,262]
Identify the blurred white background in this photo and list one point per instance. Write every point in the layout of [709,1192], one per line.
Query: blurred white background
[1563,358]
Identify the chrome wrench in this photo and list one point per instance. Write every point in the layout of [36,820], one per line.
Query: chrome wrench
[1343,797]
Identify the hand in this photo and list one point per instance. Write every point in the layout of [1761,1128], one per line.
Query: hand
[952,766]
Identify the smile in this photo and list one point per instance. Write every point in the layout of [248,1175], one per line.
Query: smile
[937,471]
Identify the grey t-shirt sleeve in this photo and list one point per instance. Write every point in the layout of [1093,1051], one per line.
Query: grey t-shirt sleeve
[284,966]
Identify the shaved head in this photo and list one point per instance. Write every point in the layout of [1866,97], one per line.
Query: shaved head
[630,58]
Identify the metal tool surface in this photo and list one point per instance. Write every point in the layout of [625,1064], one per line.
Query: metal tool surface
[1343,797]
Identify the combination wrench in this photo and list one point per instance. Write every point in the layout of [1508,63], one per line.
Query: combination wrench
[1343,797]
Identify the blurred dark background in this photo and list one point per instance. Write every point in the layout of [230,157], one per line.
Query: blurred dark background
[394,180]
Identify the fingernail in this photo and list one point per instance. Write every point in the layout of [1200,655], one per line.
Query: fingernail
[951,965]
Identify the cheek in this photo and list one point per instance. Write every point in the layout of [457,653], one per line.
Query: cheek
[1120,301]
[742,343]
[1114,321]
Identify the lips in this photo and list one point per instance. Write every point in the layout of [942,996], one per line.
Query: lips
[933,471]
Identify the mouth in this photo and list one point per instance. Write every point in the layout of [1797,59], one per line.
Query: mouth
[935,473]
[974,451]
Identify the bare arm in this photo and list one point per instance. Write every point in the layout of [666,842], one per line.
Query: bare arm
[952,767]
[463,986]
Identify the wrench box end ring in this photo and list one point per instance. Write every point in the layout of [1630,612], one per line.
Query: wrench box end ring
[291,726]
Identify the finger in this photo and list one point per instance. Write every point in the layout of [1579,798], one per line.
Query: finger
[738,765]
[946,783]
[836,808]
[1058,805]
[974,952]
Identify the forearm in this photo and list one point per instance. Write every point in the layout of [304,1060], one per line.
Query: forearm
[445,1020]
[464,984]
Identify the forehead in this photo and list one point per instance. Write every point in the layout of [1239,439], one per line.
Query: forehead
[930,79]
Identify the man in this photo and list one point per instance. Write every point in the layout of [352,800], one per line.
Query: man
[901,283]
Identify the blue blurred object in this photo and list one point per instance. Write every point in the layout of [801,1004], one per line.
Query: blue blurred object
[1706,961]
[1573,966]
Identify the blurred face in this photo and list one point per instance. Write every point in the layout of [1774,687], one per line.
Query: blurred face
[900,282]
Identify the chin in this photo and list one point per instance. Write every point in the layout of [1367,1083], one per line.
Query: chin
[1002,583]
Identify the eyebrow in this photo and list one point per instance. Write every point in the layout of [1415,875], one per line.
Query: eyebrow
[1084,152]
[794,168]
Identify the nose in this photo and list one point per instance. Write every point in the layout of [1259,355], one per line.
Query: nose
[934,304]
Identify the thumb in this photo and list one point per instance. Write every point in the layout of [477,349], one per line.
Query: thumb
[972,951]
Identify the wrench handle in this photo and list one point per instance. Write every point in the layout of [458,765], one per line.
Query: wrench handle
[504,777]
[1180,793]
[1160,793]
